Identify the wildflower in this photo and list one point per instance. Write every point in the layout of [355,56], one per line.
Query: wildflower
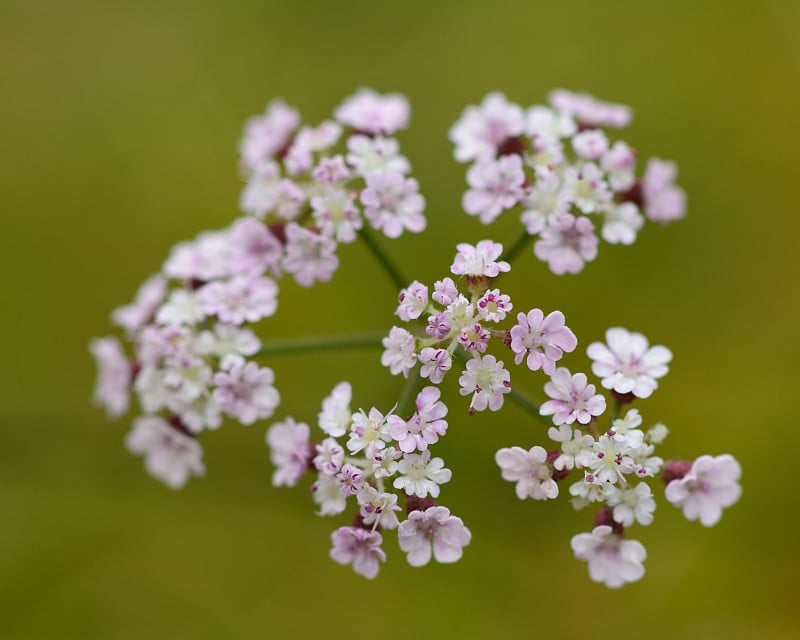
[530,470]
[541,340]
[114,376]
[433,530]
[711,485]
[487,380]
[627,363]
[572,398]
[289,451]
[358,547]
[170,455]
[612,560]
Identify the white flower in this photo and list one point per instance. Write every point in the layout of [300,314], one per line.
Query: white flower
[378,509]
[711,485]
[368,430]
[628,364]
[632,504]
[170,455]
[487,380]
[612,460]
[547,201]
[612,560]
[328,494]
[335,417]
[577,447]
[421,476]
[368,155]
[622,221]
[182,307]
[529,469]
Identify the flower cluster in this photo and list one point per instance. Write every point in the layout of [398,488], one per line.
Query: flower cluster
[386,458]
[190,359]
[615,462]
[313,186]
[191,355]
[465,324]
[557,165]
[189,362]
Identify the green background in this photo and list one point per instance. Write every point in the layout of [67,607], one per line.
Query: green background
[118,128]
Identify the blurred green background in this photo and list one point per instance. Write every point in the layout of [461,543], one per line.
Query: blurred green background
[119,123]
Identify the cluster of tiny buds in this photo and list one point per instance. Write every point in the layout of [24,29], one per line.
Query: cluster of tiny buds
[382,452]
[465,325]
[616,463]
[557,166]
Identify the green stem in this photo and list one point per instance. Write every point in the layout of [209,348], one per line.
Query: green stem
[408,394]
[320,343]
[383,259]
[517,246]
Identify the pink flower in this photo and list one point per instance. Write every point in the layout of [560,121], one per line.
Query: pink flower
[331,170]
[150,295]
[358,547]
[413,301]
[572,398]
[435,363]
[309,256]
[590,144]
[329,458]
[495,185]
[399,355]
[612,560]
[245,392]
[336,215]
[170,455]
[530,470]
[487,380]
[445,291]
[433,530]
[628,364]
[114,376]
[392,203]
[370,112]
[711,484]
[240,299]
[567,244]
[289,451]
[493,306]
[424,427]
[474,338]
[541,340]
[254,249]
[663,200]
[480,131]
[590,111]
[265,136]
[479,260]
